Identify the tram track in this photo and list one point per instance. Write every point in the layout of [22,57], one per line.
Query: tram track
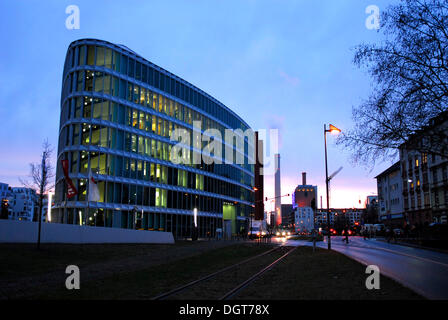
[226,283]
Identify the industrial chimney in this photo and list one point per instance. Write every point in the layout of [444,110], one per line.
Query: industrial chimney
[303,178]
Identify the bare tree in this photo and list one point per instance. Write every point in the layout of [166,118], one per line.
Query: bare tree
[410,75]
[41,180]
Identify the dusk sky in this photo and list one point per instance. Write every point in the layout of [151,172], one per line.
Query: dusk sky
[277,64]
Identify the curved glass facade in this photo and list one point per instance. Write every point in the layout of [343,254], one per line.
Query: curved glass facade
[118,112]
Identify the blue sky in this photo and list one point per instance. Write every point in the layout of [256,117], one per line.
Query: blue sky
[278,64]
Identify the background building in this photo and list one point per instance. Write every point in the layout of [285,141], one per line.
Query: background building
[259,181]
[304,219]
[23,204]
[288,216]
[438,176]
[118,112]
[5,196]
[278,199]
[424,174]
[304,195]
[390,196]
[350,215]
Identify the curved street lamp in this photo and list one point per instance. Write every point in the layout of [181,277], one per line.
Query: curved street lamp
[332,130]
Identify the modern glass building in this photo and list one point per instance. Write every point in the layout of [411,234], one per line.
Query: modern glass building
[118,111]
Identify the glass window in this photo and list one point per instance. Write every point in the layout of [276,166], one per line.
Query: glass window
[78,106]
[91,55]
[82,56]
[134,143]
[89,81]
[148,147]
[136,94]
[87,107]
[95,135]
[80,81]
[116,61]
[130,91]
[141,124]
[141,149]
[100,56]
[134,118]
[124,64]
[122,93]
[131,67]
[105,110]
[94,157]
[75,140]
[160,103]
[142,96]
[148,122]
[138,71]
[83,162]
[107,84]
[74,162]
[98,81]
[156,79]
[108,58]
[103,137]
[154,101]
[115,88]
[97,108]
[144,73]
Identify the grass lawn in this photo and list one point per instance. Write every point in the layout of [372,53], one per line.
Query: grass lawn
[322,275]
[303,275]
[148,282]
[17,260]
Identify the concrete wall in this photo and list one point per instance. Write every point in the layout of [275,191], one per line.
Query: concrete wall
[26,232]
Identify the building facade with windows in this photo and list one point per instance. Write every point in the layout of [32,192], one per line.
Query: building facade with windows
[390,196]
[23,203]
[438,172]
[118,113]
[425,173]
[304,220]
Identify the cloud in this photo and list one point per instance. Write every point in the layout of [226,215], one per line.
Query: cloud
[294,81]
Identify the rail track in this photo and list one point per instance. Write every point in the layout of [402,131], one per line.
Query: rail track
[226,283]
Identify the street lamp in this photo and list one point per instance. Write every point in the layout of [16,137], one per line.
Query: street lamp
[332,130]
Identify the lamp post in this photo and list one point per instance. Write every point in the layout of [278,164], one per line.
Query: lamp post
[333,130]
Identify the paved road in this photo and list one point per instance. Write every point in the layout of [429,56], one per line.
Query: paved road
[424,271]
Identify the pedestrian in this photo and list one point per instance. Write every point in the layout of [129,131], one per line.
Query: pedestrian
[390,235]
[346,234]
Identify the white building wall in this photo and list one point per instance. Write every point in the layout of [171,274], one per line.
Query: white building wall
[26,232]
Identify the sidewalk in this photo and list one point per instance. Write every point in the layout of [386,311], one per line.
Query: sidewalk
[406,244]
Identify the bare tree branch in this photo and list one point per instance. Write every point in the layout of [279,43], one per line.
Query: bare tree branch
[410,77]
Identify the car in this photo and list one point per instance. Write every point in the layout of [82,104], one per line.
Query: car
[282,233]
[398,231]
[256,233]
